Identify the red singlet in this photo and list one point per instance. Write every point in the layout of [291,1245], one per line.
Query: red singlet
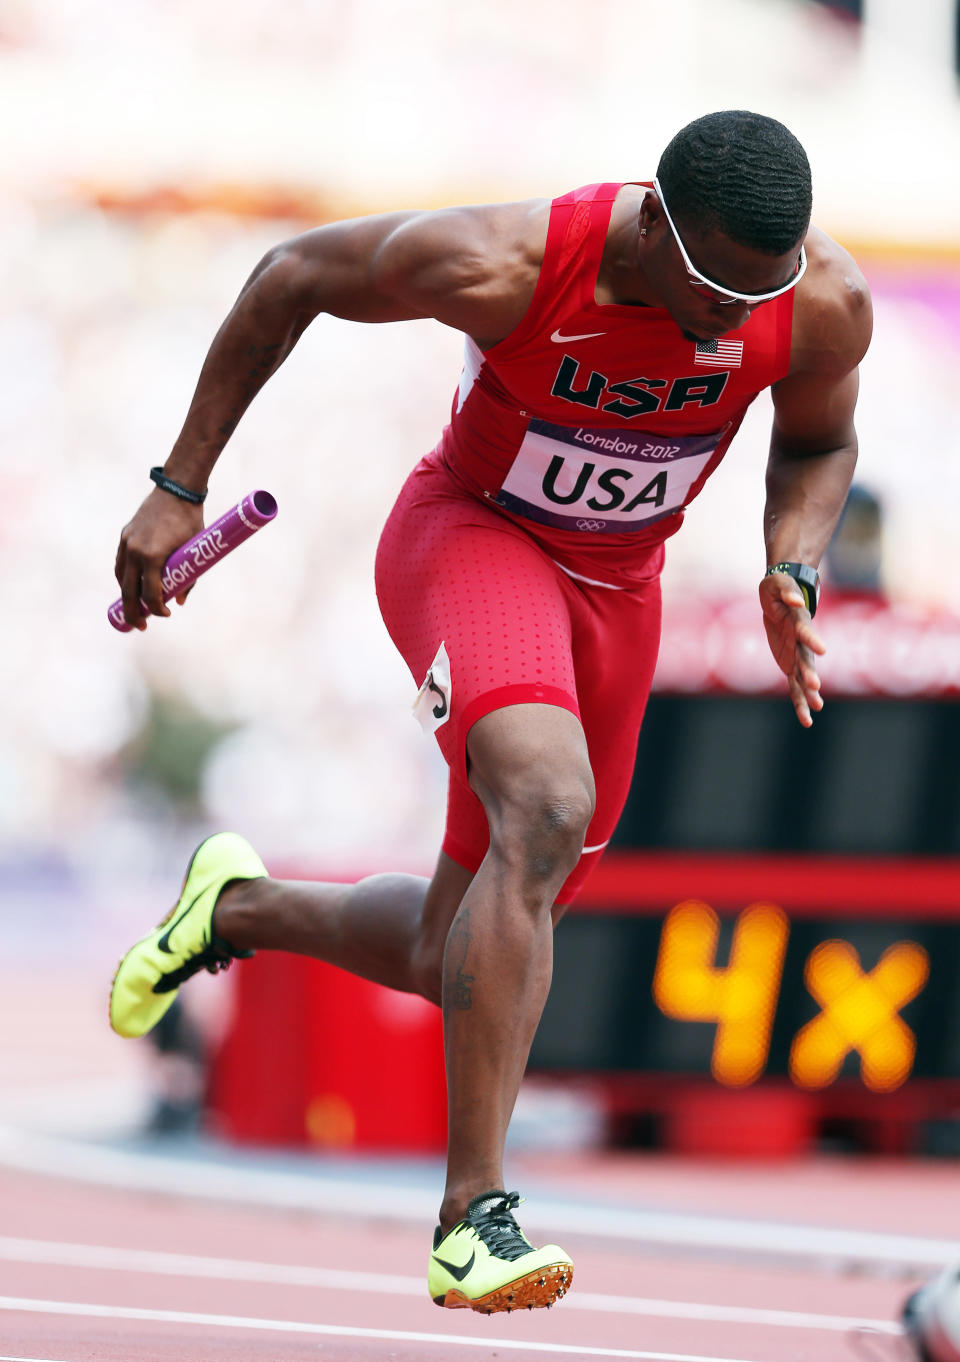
[521,561]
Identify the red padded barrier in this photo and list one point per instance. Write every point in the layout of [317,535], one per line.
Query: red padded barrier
[314,1056]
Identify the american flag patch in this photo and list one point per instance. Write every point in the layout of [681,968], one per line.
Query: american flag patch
[719,354]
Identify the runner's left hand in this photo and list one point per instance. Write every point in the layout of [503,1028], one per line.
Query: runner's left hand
[793,642]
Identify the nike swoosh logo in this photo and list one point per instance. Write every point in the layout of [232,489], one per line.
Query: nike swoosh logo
[164,943]
[457,1272]
[560,340]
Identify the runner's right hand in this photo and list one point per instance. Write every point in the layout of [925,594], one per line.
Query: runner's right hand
[162,524]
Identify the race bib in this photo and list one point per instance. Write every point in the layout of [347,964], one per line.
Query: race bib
[603,481]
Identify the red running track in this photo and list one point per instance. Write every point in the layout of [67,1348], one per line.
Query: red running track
[93,1275]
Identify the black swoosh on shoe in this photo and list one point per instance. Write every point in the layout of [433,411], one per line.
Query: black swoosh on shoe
[457,1272]
[164,943]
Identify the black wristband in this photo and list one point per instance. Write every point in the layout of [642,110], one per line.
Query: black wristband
[174,488]
[807,579]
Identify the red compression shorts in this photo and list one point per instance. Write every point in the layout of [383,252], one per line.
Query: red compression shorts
[516,629]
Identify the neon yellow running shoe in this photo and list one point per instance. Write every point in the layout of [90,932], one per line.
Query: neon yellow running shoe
[149,975]
[485,1263]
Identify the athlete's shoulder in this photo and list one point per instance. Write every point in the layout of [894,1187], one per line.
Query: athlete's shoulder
[488,230]
[474,266]
[833,314]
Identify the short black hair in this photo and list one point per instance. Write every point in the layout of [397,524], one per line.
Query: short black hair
[742,173]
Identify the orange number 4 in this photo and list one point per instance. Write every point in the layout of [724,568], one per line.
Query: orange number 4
[741,997]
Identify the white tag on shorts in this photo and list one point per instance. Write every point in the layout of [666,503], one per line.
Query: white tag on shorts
[432,705]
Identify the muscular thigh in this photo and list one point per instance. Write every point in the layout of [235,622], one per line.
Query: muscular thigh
[614,644]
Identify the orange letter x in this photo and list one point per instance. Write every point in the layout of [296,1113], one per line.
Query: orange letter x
[860,1012]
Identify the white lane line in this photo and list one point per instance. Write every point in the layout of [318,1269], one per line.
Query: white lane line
[81,1309]
[250,1186]
[4,1358]
[106,1258]
[727,1314]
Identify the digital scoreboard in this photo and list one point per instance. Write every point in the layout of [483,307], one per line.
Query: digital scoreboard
[814,970]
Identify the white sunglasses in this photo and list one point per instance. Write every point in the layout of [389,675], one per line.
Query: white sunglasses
[718,292]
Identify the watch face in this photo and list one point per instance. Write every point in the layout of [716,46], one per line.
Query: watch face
[806,577]
[809,576]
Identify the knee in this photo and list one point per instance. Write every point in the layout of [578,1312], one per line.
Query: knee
[539,828]
[530,767]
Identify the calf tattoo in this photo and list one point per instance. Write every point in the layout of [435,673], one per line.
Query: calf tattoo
[458,945]
[462,991]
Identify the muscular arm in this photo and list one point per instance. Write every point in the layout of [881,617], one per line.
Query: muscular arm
[467,267]
[813,452]
[472,268]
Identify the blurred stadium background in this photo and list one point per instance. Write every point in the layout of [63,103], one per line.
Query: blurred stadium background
[153,149]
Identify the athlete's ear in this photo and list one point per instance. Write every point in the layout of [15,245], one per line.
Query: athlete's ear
[650,211]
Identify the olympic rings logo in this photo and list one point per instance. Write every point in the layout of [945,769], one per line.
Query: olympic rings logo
[591,524]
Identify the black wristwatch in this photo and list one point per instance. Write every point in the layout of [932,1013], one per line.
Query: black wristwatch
[806,578]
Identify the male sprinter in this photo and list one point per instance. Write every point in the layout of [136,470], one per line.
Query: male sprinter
[614,339]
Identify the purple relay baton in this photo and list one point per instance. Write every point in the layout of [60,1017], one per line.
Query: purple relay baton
[192,559]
